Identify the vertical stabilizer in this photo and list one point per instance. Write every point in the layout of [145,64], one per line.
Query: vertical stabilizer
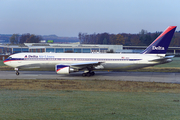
[161,43]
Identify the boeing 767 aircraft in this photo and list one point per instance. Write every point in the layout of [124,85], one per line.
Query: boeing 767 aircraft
[65,63]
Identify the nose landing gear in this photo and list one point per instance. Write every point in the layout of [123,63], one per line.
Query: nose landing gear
[17,71]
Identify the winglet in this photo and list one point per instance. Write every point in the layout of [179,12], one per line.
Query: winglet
[161,43]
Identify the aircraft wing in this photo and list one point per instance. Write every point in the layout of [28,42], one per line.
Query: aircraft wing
[166,58]
[85,65]
[67,68]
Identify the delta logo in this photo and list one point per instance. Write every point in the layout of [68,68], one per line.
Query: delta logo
[30,56]
[158,48]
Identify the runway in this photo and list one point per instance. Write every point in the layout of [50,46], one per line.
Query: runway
[121,76]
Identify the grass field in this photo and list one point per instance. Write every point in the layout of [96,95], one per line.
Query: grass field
[1,63]
[174,63]
[88,105]
[88,100]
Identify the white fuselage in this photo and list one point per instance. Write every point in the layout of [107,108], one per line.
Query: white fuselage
[109,61]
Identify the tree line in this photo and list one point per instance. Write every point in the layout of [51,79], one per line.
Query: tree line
[25,38]
[143,38]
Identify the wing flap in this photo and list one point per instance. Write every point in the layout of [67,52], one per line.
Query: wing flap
[85,65]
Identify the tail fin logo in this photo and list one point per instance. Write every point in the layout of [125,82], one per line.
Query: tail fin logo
[161,43]
[158,48]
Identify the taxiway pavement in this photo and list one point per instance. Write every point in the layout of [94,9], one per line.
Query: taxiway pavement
[122,76]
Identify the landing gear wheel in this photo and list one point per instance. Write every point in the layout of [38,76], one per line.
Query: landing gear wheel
[92,73]
[84,74]
[88,74]
[17,73]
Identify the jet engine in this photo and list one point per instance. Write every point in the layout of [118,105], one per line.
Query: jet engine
[64,69]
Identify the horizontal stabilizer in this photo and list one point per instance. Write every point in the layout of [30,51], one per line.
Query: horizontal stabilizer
[163,58]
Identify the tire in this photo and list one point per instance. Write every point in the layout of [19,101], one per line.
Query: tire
[93,73]
[88,74]
[84,74]
[17,73]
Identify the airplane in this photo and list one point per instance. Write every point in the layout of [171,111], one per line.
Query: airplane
[66,63]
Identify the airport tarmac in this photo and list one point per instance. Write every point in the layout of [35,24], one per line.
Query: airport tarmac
[122,76]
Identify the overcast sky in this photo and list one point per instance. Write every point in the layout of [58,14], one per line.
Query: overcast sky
[67,18]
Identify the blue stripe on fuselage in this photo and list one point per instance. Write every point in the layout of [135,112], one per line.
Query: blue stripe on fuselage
[70,59]
[13,59]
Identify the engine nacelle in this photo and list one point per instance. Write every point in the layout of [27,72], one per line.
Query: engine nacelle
[64,69]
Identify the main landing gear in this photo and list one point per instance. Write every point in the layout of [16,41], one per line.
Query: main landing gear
[17,71]
[88,74]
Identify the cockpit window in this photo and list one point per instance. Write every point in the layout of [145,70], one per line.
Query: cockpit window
[9,58]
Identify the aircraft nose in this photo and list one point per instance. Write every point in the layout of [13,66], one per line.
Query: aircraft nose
[5,62]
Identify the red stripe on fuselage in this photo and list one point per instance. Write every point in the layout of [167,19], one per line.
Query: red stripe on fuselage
[10,61]
[7,61]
